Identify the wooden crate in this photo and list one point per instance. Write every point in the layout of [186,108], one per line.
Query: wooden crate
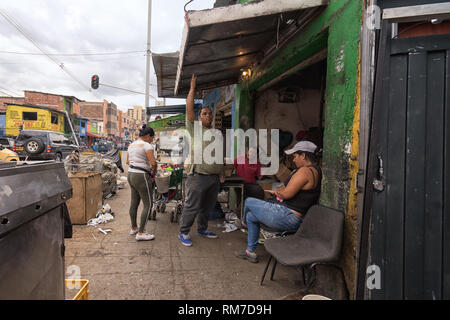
[87,197]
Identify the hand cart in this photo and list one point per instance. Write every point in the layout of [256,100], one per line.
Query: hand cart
[169,189]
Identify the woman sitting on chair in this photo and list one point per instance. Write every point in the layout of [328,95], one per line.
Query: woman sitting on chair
[288,205]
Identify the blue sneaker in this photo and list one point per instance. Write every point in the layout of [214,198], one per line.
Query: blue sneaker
[207,234]
[185,239]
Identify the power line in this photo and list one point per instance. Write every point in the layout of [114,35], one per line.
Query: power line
[5,89]
[6,94]
[26,35]
[108,85]
[72,54]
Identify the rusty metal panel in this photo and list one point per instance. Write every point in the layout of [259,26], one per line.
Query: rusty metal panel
[218,43]
[31,231]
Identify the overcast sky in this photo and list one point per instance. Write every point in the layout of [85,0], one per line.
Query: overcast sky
[87,27]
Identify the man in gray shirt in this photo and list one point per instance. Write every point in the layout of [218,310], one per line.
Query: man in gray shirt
[202,182]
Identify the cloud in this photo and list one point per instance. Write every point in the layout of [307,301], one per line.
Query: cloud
[85,26]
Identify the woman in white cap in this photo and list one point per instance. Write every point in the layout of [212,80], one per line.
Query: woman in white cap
[288,205]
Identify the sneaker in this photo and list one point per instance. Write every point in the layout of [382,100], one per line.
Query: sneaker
[207,234]
[240,224]
[185,239]
[133,232]
[245,254]
[144,237]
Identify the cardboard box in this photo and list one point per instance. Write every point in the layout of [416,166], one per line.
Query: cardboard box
[87,197]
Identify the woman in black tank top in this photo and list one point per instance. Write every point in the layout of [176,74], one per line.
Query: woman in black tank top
[290,203]
[302,189]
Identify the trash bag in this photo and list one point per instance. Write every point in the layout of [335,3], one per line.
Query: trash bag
[217,212]
[114,156]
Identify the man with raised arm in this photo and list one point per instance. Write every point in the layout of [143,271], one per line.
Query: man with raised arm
[203,180]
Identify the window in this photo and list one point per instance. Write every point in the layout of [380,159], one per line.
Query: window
[57,138]
[54,118]
[29,116]
[68,140]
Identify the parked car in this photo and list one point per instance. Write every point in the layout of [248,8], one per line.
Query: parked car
[7,155]
[7,143]
[44,145]
[105,146]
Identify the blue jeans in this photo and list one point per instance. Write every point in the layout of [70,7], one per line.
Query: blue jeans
[271,214]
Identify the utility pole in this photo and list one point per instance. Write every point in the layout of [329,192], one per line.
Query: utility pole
[149,52]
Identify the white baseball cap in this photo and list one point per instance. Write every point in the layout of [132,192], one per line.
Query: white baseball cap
[306,146]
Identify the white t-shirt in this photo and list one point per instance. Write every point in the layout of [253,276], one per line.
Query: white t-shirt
[137,155]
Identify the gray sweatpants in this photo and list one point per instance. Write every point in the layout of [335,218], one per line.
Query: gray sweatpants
[201,192]
[141,189]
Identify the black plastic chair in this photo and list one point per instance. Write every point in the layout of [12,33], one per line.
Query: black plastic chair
[317,241]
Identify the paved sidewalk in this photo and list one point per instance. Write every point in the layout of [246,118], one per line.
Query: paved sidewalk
[119,267]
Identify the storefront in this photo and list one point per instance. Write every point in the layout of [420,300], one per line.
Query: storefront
[296,68]
[32,117]
[81,129]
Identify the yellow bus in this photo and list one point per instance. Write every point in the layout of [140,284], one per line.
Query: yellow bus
[32,118]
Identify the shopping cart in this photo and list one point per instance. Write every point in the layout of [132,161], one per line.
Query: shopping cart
[169,189]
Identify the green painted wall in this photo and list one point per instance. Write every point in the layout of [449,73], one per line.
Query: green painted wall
[337,28]
[170,123]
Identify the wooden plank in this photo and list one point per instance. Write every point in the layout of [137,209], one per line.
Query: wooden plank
[417,13]
[433,176]
[415,176]
[417,44]
[247,11]
[446,208]
[373,234]
[395,178]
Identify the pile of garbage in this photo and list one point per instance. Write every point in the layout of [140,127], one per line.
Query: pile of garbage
[96,162]
[103,216]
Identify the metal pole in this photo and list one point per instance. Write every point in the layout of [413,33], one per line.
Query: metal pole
[149,38]
[71,128]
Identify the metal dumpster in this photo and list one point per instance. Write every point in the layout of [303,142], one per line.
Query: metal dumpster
[31,231]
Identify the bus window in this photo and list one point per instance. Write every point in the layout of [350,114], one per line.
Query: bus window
[54,118]
[29,116]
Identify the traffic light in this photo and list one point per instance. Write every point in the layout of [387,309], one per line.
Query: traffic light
[95,81]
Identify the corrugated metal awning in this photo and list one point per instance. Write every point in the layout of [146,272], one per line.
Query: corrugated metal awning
[165,65]
[217,43]
[173,109]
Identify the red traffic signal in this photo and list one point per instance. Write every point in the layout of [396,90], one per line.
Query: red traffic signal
[95,81]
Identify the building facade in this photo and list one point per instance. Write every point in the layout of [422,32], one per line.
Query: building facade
[11,100]
[110,123]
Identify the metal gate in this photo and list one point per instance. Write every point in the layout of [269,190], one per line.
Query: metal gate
[407,209]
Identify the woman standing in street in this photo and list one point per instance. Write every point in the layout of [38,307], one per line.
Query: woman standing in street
[141,161]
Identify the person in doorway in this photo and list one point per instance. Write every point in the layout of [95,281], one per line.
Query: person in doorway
[95,146]
[288,205]
[250,172]
[141,161]
[202,182]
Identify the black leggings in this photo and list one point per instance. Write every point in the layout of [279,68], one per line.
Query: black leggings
[141,189]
